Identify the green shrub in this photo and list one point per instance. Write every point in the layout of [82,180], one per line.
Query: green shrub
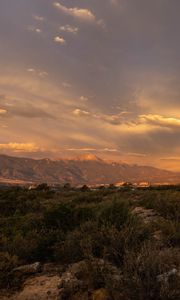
[141,271]
[114,213]
[166,203]
[73,225]
[7,263]
[59,216]
[83,214]
[170,232]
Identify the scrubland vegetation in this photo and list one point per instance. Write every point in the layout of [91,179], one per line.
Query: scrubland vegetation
[69,226]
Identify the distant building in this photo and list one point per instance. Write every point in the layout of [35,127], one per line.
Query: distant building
[32,187]
[144,184]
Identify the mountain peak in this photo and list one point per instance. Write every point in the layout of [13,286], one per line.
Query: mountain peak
[88,157]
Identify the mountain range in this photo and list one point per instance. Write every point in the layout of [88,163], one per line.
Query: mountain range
[88,169]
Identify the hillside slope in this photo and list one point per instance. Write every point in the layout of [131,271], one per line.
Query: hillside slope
[84,170]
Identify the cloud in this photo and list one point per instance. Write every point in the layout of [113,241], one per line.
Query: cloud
[131,66]
[127,126]
[79,112]
[81,149]
[114,2]
[19,147]
[83,98]
[136,154]
[171,158]
[160,120]
[38,18]
[38,30]
[12,107]
[109,150]
[113,119]
[3,111]
[29,111]
[37,72]
[69,28]
[66,84]
[31,70]
[101,23]
[34,29]
[80,13]
[94,149]
[59,40]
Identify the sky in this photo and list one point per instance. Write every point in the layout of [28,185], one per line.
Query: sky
[91,76]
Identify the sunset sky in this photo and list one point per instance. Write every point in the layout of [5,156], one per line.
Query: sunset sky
[91,76]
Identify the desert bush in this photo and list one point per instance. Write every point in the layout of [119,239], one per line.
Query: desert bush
[141,273]
[73,225]
[83,214]
[69,250]
[88,197]
[7,263]
[130,237]
[59,216]
[114,213]
[92,239]
[166,203]
[170,232]
[85,241]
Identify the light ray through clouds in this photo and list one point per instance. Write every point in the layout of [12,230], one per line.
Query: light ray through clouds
[91,76]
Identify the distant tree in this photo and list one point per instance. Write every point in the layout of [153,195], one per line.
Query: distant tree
[101,187]
[42,187]
[127,184]
[85,188]
[67,186]
[112,186]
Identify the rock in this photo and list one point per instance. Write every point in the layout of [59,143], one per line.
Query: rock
[28,269]
[77,279]
[81,281]
[69,281]
[69,285]
[81,296]
[165,276]
[40,287]
[148,215]
[157,235]
[101,294]
[52,268]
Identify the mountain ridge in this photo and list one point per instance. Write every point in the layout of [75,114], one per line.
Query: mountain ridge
[87,169]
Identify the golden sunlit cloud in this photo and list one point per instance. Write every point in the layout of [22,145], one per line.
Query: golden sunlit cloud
[161,120]
[114,119]
[34,29]
[3,111]
[93,149]
[69,28]
[83,14]
[79,112]
[66,83]
[19,147]
[136,154]
[82,149]
[59,40]
[176,158]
